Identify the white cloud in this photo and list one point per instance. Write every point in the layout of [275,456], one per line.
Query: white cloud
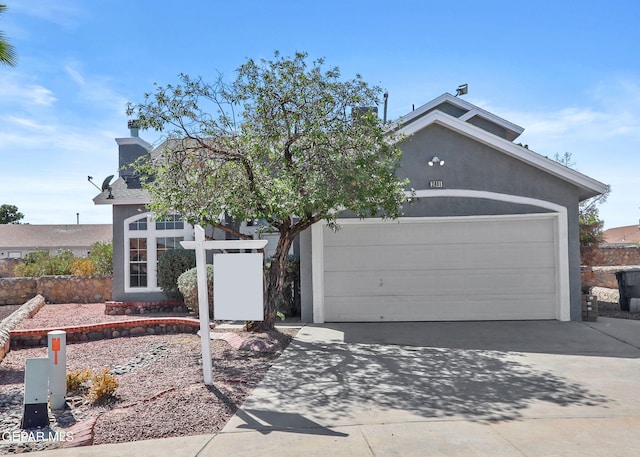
[601,130]
[28,94]
[15,121]
[61,12]
[51,143]
[75,74]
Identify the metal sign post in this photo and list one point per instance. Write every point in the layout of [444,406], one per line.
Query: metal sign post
[200,245]
[57,340]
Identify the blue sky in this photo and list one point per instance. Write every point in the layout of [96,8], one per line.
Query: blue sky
[566,71]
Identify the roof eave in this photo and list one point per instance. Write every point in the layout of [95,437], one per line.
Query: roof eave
[589,187]
[472,110]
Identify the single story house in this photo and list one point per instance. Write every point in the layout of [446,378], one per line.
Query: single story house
[490,233]
[17,240]
[629,235]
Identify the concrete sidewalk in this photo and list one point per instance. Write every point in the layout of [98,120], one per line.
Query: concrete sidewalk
[435,389]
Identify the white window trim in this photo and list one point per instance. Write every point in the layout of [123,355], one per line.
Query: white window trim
[151,234]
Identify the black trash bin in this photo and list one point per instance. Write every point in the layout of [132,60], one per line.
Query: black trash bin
[628,286]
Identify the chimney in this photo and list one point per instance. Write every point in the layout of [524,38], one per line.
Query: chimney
[133,127]
[131,149]
[358,112]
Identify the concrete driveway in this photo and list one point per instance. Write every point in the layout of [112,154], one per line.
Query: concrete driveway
[434,389]
[450,389]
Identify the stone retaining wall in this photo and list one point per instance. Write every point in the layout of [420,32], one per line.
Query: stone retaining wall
[616,255]
[57,289]
[602,276]
[7,266]
[27,310]
[16,291]
[117,308]
[116,329]
[76,289]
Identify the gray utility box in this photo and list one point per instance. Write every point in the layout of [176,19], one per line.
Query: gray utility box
[628,286]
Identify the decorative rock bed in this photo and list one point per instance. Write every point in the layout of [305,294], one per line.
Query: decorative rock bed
[82,333]
[16,339]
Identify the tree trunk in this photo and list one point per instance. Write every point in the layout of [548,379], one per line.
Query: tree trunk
[275,282]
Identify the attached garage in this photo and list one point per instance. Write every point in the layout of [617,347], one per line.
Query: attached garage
[489,231]
[434,269]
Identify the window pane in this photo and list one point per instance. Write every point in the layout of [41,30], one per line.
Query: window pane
[138,262]
[166,244]
[140,224]
[170,222]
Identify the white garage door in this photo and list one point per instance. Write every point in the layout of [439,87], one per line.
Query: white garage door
[478,268]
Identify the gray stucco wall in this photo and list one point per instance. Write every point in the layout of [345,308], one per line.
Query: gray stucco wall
[120,213]
[128,154]
[473,165]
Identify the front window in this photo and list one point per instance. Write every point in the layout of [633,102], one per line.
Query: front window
[146,240]
[166,244]
[170,223]
[138,262]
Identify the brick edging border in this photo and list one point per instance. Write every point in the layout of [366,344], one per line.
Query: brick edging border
[106,330]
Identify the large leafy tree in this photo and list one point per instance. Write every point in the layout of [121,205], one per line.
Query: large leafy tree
[282,144]
[7,52]
[9,214]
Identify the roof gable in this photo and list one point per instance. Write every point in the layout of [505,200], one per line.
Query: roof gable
[123,194]
[588,187]
[466,112]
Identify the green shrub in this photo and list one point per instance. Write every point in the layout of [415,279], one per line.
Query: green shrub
[60,264]
[101,257]
[188,286]
[32,265]
[170,266]
[41,263]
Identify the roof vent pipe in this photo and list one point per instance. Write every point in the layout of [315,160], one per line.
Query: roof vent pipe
[133,127]
[386,100]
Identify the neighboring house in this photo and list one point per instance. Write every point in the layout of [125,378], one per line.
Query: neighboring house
[17,240]
[492,233]
[628,235]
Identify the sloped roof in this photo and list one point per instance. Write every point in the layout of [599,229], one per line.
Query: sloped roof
[467,112]
[448,111]
[589,187]
[53,236]
[123,194]
[629,234]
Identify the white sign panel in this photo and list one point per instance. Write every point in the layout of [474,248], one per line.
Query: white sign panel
[237,287]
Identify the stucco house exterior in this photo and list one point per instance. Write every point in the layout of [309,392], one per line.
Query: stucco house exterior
[490,232]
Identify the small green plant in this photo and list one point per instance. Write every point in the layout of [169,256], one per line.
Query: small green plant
[76,380]
[170,266]
[40,263]
[103,385]
[188,286]
[101,257]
